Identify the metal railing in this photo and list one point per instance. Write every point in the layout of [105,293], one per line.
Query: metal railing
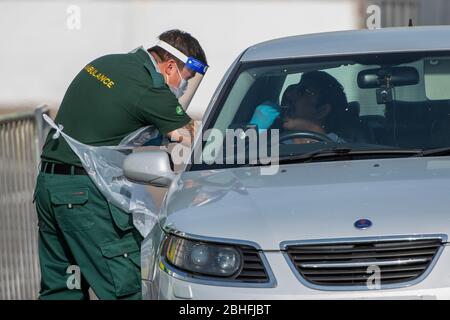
[21,140]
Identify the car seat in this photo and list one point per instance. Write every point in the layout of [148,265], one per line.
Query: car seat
[351,127]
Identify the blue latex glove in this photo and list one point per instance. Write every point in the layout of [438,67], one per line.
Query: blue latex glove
[265,114]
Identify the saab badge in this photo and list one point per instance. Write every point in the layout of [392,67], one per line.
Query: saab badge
[362,224]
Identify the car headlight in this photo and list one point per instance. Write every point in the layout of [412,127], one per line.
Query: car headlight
[202,258]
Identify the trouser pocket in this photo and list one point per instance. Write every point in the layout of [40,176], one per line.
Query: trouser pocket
[71,208]
[123,220]
[123,259]
[36,187]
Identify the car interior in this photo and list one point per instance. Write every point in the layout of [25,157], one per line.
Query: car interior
[388,121]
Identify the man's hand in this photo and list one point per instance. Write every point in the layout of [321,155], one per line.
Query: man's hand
[184,135]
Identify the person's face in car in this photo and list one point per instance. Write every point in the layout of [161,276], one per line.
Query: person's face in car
[305,109]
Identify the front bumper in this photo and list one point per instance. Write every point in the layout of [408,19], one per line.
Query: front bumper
[164,286]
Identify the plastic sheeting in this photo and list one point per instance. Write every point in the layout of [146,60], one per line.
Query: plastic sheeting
[104,166]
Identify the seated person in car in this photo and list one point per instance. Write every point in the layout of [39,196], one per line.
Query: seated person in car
[315,104]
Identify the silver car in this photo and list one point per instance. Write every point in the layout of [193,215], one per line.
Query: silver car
[358,203]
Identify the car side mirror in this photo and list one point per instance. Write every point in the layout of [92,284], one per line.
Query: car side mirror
[151,167]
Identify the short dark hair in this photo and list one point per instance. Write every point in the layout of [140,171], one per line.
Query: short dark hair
[182,41]
[332,93]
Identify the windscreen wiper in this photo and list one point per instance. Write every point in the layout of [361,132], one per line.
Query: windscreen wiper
[345,153]
[435,152]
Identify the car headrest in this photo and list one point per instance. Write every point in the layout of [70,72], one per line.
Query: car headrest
[353,108]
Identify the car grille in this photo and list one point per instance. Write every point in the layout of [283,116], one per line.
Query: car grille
[347,263]
[253,269]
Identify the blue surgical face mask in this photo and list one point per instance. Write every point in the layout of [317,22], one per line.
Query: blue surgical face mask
[178,92]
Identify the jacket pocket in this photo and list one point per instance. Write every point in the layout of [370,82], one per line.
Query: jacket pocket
[70,207]
[123,259]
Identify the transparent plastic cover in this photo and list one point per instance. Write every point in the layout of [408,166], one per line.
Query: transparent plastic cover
[104,166]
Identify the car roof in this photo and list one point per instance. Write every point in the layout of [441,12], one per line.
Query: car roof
[402,39]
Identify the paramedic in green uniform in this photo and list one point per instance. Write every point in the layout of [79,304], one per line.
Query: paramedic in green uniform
[81,235]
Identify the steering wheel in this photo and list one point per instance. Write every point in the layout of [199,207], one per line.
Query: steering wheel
[320,137]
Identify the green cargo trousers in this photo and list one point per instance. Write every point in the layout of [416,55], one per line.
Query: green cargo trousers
[84,241]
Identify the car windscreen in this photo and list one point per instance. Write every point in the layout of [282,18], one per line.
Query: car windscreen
[372,102]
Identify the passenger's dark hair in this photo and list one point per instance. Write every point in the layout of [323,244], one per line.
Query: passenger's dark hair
[332,93]
[184,42]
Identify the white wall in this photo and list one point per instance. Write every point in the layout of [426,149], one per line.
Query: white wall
[39,55]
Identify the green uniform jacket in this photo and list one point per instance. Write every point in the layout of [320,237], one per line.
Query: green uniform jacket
[111,97]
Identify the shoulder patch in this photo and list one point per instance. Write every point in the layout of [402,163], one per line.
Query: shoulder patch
[179,110]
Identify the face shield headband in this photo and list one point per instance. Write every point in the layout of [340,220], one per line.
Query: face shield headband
[193,66]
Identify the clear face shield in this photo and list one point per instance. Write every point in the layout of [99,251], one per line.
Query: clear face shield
[192,74]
